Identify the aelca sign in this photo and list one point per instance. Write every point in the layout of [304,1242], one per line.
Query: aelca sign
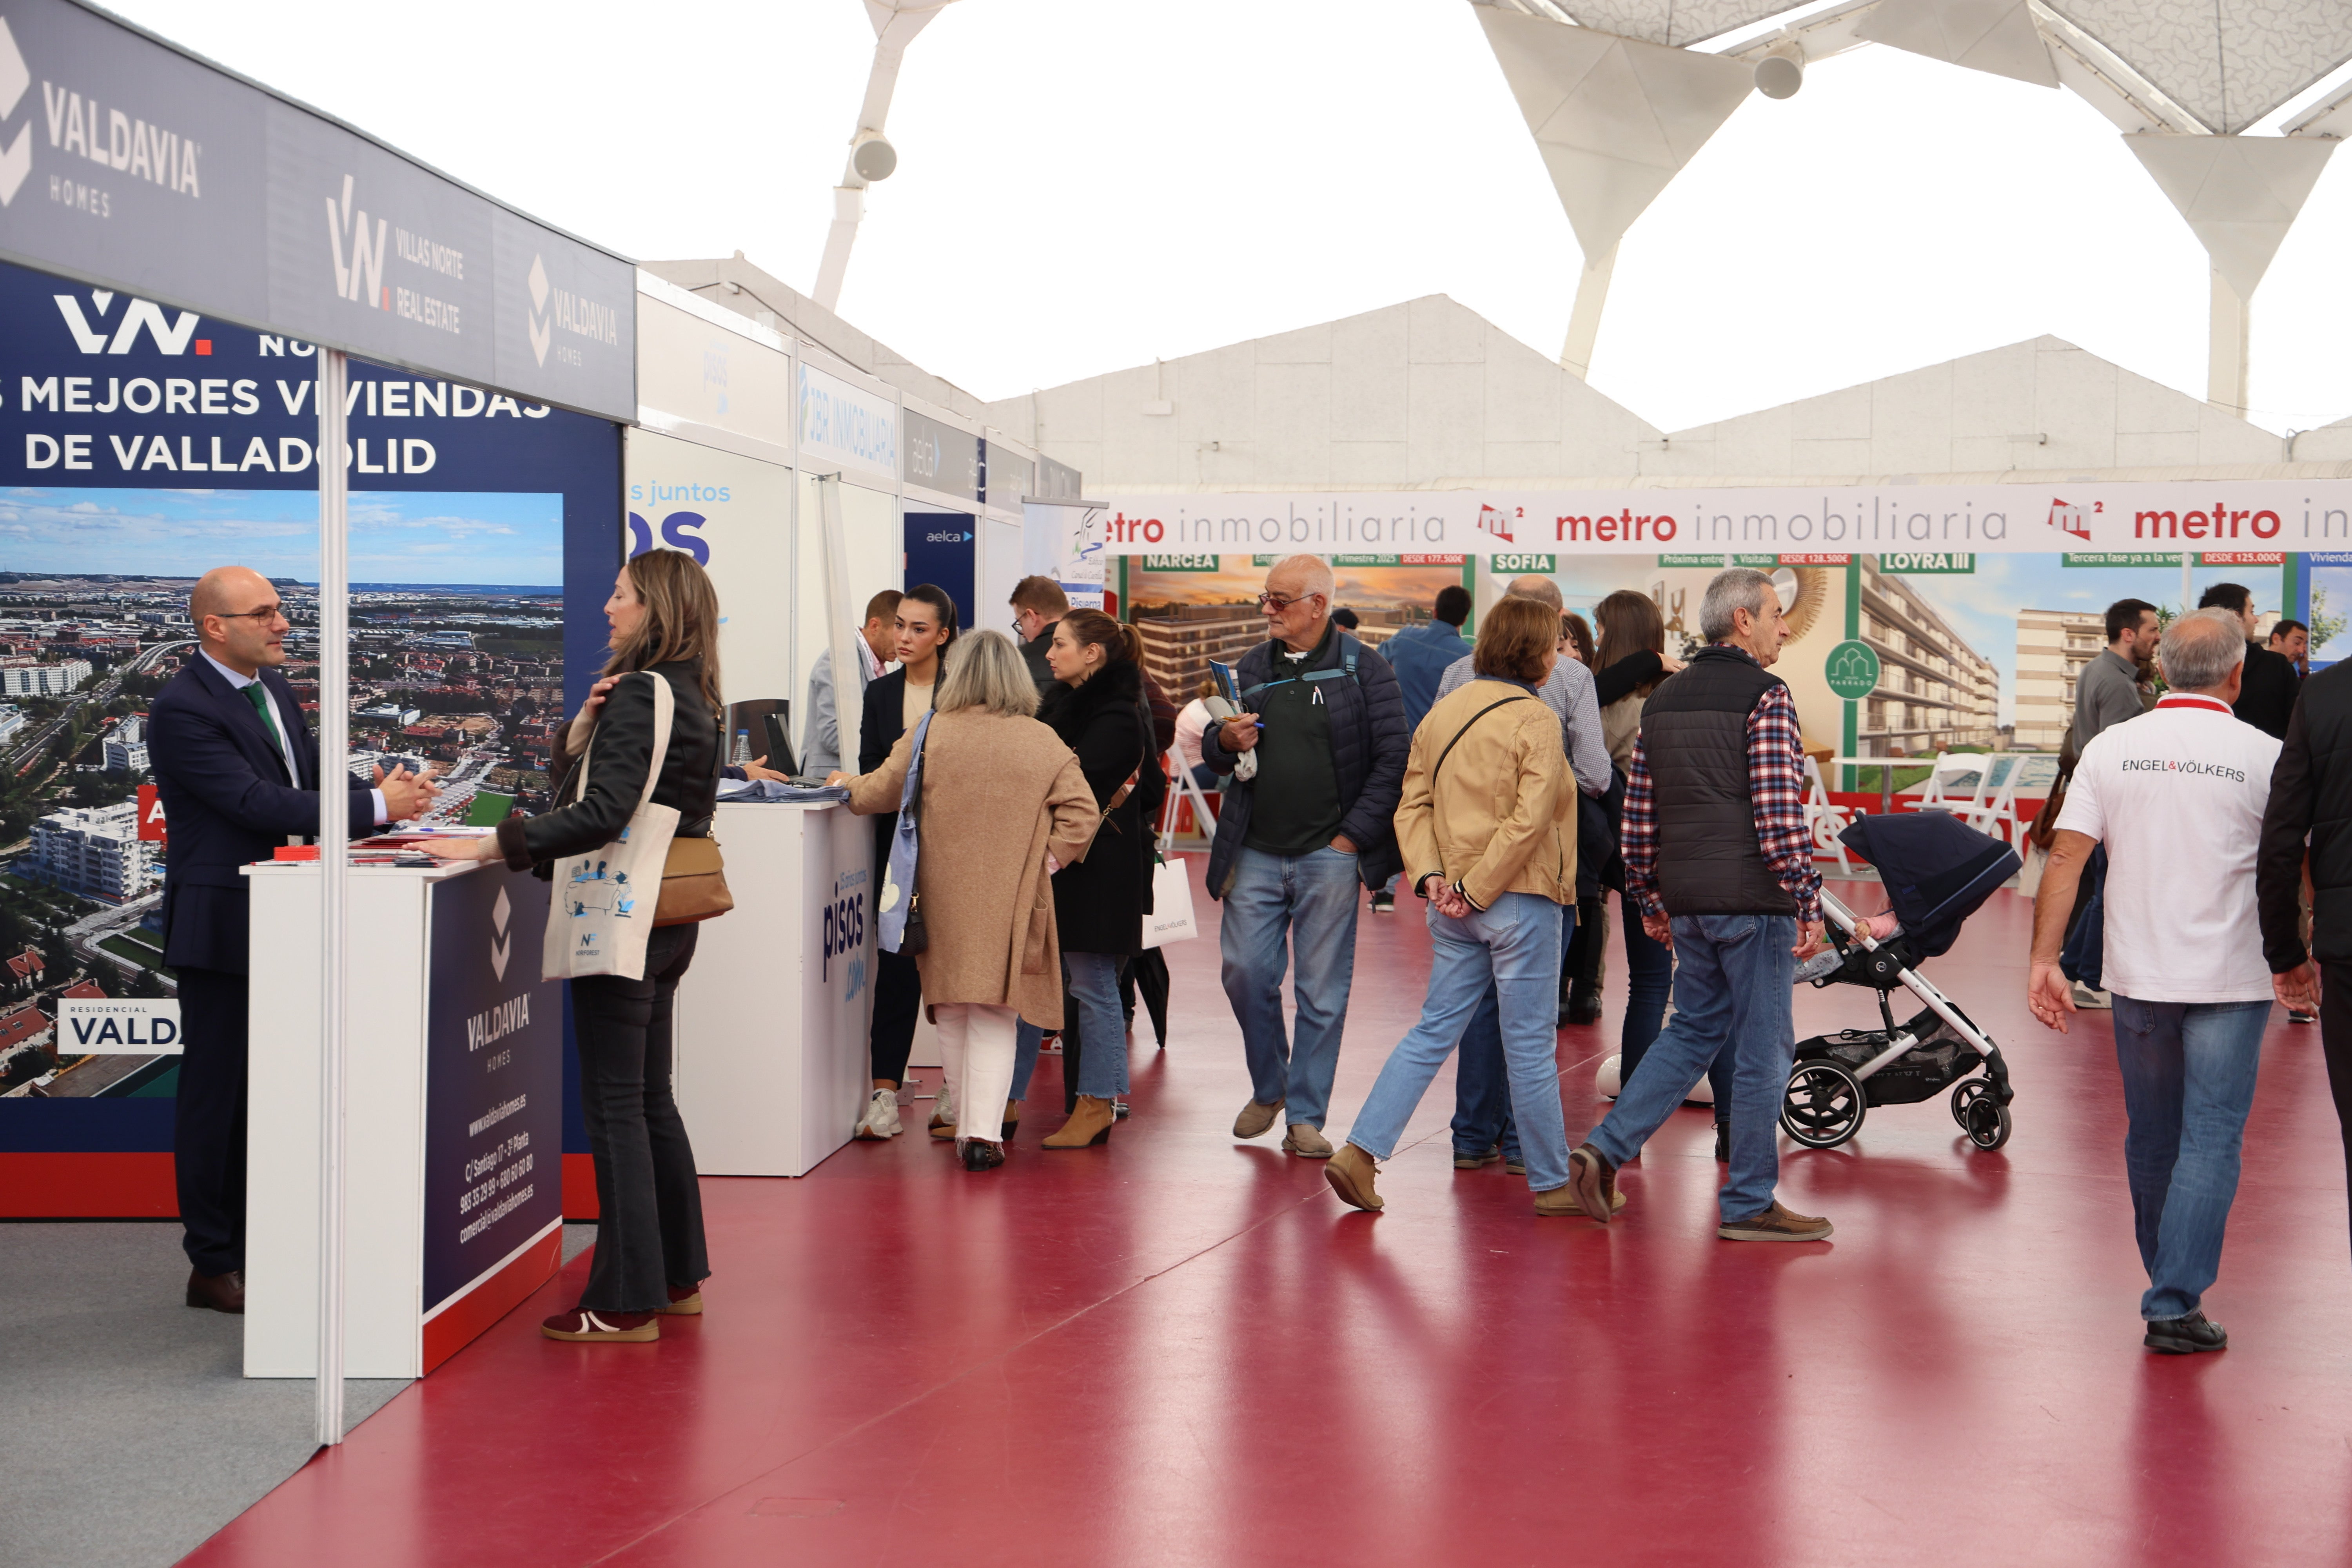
[132,166]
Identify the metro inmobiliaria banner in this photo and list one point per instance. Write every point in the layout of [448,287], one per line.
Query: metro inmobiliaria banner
[1992,519]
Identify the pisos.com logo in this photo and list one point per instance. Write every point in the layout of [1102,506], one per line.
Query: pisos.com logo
[15,152]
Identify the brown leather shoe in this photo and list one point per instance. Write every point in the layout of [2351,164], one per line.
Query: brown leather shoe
[221,1293]
[684,1301]
[1777,1224]
[1351,1175]
[583,1326]
[1256,1118]
[1594,1181]
[1563,1203]
[1089,1124]
[1304,1141]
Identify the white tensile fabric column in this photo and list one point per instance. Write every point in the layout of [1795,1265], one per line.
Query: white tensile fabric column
[1615,120]
[1994,36]
[2241,194]
[334,873]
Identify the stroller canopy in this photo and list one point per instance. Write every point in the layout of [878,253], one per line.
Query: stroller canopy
[1937,870]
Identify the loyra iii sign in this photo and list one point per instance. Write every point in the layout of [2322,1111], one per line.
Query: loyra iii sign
[128,163]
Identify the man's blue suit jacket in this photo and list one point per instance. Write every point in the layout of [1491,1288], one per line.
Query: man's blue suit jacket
[227,804]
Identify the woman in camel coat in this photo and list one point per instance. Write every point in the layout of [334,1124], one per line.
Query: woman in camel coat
[1001,801]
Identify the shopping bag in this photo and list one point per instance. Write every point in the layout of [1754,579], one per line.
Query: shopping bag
[604,900]
[1171,919]
[900,906]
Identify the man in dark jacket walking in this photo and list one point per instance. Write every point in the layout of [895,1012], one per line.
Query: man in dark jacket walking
[1719,863]
[2268,696]
[1326,724]
[1039,606]
[2309,816]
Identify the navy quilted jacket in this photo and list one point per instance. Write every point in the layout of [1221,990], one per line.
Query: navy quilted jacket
[1369,741]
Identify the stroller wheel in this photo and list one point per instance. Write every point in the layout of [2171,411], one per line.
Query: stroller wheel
[1823,1106]
[1966,1095]
[1988,1122]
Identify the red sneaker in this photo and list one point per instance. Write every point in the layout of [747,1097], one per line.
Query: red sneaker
[684,1301]
[582,1326]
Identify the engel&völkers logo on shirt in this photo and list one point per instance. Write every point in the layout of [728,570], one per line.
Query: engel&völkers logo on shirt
[2173,766]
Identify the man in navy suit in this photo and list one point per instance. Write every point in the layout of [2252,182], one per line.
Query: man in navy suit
[237,766]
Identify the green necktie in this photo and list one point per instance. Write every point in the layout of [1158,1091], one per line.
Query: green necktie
[260,701]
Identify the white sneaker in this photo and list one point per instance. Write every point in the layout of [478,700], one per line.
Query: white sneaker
[880,1122]
[2086,997]
[946,1110]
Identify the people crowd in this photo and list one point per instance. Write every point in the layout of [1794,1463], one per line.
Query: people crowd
[2195,847]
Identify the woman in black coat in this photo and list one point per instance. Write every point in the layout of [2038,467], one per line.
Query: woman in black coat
[1097,708]
[895,703]
[650,1258]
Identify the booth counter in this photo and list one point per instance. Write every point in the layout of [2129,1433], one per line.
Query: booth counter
[452,1185]
[772,1067]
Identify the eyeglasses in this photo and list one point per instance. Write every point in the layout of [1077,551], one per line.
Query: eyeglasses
[1276,603]
[265,615]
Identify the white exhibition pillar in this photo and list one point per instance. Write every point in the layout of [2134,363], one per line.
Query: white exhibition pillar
[2240,195]
[1615,120]
[334,874]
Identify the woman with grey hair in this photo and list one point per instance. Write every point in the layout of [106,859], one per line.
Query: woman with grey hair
[1000,803]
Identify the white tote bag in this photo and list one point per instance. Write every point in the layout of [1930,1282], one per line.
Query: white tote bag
[602,913]
[1171,919]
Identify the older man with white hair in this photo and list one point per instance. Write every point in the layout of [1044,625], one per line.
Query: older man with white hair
[2177,798]
[1327,725]
[1719,863]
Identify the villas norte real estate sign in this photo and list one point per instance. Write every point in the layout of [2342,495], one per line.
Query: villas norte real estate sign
[1942,526]
[132,166]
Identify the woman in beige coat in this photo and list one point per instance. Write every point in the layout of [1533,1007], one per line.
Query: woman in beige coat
[1002,804]
[1488,824]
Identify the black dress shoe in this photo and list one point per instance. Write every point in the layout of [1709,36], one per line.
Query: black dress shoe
[2186,1336]
[221,1293]
[1583,1006]
[1723,1142]
[979,1154]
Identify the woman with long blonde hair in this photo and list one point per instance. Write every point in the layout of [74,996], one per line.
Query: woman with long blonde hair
[650,1258]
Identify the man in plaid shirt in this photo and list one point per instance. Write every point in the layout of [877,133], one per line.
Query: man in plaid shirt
[1718,860]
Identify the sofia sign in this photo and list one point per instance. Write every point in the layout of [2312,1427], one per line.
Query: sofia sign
[2202,515]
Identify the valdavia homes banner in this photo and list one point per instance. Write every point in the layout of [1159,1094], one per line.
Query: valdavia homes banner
[1987,519]
[128,164]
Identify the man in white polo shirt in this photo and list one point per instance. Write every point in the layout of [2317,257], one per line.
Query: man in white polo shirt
[2176,797]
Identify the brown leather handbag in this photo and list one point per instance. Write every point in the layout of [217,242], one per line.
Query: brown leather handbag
[694,874]
[694,883]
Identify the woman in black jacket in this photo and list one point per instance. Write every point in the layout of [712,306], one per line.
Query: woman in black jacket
[1097,708]
[649,1247]
[895,703]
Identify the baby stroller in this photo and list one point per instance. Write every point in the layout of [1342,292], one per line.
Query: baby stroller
[1937,872]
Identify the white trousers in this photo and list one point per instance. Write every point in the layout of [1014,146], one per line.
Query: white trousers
[976,1048]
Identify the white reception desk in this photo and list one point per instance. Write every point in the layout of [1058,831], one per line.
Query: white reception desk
[453,1192]
[771,1017]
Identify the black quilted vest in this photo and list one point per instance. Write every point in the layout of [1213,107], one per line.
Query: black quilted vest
[1695,731]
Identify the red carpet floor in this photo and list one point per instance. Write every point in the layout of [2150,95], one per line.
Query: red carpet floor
[1183,1350]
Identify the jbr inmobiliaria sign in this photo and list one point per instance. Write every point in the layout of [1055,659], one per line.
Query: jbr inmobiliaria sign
[126,162]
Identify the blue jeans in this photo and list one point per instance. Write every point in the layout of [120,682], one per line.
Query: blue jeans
[1510,949]
[2189,1080]
[1649,978]
[1093,982]
[1312,899]
[1027,1040]
[1732,986]
[1482,1100]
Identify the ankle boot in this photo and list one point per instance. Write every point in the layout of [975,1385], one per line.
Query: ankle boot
[1011,1120]
[1089,1124]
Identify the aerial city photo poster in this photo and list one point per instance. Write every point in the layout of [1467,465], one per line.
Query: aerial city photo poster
[141,445]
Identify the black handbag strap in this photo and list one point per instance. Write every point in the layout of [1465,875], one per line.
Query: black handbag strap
[1482,713]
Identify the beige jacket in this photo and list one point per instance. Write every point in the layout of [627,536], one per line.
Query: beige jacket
[1502,818]
[998,796]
